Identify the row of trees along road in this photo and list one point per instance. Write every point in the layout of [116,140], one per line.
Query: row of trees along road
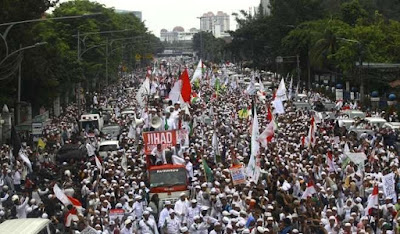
[53,69]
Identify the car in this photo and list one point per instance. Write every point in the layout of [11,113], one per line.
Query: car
[392,125]
[375,121]
[106,147]
[351,114]
[71,151]
[27,226]
[302,105]
[113,130]
[347,123]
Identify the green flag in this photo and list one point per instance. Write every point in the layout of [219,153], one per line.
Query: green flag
[207,171]
[166,124]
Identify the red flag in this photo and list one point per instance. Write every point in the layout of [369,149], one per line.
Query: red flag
[186,88]
[75,202]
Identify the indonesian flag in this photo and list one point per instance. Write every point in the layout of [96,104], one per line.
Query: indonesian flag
[269,114]
[373,200]
[267,135]
[71,215]
[66,200]
[310,190]
[303,140]
[186,87]
[311,133]
[330,161]
[98,164]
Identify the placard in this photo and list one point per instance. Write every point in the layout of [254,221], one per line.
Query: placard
[238,175]
[116,213]
[165,138]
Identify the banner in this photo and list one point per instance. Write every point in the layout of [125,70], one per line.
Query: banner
[116,213]
[388,186]
[165,138]
[238,175]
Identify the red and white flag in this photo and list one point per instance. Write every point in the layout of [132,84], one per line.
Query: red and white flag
[98,164]
[311,133]
[310,190]
[66,200]
[70,216]
[267,135]
[373,201]
[331,163]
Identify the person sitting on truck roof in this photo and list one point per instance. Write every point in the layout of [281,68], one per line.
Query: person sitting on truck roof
[159,155]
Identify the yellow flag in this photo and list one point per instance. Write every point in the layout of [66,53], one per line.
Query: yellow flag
[41,144]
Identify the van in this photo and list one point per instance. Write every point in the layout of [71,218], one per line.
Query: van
[108,146]
[376,121]
[89,121]
[26,226]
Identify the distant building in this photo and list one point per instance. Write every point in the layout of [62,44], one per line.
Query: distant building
[218,24]
[265,6]
[138,14]
[177,34]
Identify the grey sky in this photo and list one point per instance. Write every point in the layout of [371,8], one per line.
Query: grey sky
[167,14]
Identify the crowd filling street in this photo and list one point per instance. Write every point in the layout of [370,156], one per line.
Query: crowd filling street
[196,149]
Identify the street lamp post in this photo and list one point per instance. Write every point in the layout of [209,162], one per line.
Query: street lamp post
[201,38]
[360,62]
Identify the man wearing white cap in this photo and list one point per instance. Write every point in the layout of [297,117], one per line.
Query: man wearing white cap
[164,213]
[181,207]
[172,223]
[193,211]
[146,225]
[128,228]
[138,207]
[198,227]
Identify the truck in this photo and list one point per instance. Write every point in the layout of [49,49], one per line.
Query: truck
[89,121]
[168,181]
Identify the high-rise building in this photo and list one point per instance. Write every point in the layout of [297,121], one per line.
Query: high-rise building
[265,6]
[218,24]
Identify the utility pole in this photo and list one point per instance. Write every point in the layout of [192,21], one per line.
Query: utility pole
[19,92]
[78,97]
[107,63]
[298,68]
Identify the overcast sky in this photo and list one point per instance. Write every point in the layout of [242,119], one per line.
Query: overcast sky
[167,14]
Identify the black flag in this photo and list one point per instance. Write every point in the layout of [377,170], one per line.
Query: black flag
[15,142]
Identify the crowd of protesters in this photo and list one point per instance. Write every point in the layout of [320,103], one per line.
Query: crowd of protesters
[279,201]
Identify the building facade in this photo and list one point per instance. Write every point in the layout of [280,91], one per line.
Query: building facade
[218,24]
[177,34]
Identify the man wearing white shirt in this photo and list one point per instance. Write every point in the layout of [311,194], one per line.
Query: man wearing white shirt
[181,207]
[159,155]
[189,167]
[164,214]
[147,225]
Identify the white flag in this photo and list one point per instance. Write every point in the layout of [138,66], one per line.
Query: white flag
[124,162]
[61,195]
[25,159]
[175,93]
[132,132]
[215,145]
[290,88]
[281,92]
[253,168]
[143,91]
[278,105]
[198,72]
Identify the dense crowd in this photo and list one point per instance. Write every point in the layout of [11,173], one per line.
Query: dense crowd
[304,186]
